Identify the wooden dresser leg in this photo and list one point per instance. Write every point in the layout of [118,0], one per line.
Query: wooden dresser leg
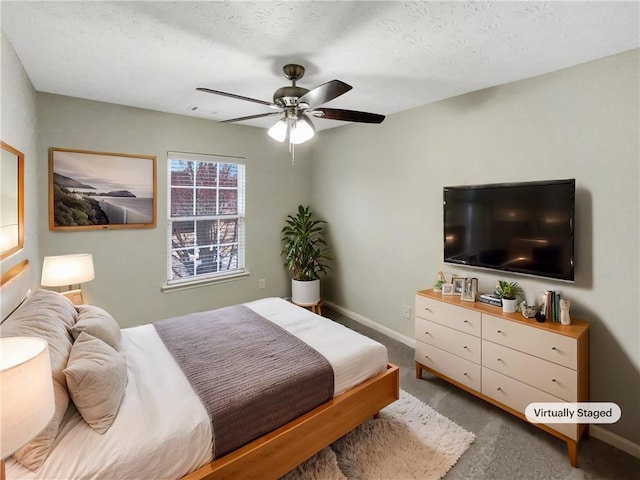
[572,448]
[418,370]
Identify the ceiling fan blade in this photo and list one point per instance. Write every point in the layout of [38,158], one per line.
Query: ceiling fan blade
[323,93]
[233,95]
[347,115]
[250,117]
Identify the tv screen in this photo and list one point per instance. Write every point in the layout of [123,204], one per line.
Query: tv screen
[523,228]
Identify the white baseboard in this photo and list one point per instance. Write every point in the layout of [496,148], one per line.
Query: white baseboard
[614,440]
[595,431]
[411,342]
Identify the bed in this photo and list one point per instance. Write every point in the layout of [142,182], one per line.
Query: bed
[162,429]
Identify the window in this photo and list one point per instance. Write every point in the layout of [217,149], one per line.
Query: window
[205,217]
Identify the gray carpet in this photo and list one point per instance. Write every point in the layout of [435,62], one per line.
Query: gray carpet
[505,447]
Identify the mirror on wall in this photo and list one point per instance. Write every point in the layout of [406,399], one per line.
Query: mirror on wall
[11,200]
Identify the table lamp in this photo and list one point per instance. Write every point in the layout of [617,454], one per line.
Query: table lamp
[69,270]
[26,393]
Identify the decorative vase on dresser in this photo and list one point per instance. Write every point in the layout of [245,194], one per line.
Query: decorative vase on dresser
[503,358]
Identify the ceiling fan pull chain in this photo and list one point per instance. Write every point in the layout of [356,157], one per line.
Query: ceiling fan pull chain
[292,153]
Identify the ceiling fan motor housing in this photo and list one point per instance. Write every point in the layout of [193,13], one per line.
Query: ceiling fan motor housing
[288,96]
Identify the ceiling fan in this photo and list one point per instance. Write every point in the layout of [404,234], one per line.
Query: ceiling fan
[296,104]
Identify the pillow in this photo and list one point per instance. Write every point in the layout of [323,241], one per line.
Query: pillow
[96,378]
[97,323]
[50,316]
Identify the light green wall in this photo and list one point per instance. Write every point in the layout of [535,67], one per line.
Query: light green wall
[17,128]
[380,188]
[130,264]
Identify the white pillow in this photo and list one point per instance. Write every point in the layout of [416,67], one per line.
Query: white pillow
[97,323]
[96,379]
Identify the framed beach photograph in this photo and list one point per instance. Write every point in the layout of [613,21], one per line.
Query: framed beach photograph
[447,289]
[99,190]
[458,285]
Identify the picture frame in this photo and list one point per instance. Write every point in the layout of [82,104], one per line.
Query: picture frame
[101,190]
[12,203]
[470,290]
[447,289]
[458,285]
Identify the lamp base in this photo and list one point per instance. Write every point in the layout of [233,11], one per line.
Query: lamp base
[75,296]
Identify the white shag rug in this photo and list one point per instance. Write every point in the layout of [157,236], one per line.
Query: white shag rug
[410,440]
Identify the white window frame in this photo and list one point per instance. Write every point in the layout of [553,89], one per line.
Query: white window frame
[205,279]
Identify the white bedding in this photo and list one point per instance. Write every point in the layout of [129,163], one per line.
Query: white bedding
[162,430]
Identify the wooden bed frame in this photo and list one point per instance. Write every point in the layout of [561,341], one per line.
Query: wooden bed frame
[274,454]
[14,287]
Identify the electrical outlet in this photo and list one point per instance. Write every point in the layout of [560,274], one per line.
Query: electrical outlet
[406,311]
[262,283]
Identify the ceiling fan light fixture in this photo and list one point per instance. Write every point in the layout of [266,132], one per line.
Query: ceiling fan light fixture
[302,130]
[279,131]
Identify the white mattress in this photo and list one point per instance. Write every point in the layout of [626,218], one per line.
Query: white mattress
[162,431]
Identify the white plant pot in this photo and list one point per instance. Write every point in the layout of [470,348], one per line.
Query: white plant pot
[509,305]
[305,293]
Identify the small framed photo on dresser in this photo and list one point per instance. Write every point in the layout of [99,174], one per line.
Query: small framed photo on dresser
[469,290]
[458,285]
[447,289]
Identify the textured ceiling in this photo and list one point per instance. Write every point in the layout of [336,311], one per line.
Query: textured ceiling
[396,55]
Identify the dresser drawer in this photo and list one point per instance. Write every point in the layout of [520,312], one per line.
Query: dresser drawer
[517,395]
[453,341]
[555,379]
[461,370]
[452,316]
[549,346]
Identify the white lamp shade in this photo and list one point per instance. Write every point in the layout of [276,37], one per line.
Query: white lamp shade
[302,130]
[26,391]
[67,270]
[279,131]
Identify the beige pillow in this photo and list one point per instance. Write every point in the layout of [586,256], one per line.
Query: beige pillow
[96,379]
[50,316]
[97,323]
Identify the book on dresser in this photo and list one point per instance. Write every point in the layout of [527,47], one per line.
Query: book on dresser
[504,358]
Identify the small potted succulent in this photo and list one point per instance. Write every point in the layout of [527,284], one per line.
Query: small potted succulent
[508,292]
[440,280]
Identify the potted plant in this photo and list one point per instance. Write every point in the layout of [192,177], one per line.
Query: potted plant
[440,280]
[508,292]
[306,255]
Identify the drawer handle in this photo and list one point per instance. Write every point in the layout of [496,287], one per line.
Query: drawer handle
[427,333]
[466,347]
[465,374]
[499,359]
[553,380]
[498,388]
[553,348]
[426,356]
[499,331]
[466,321]
[428,309]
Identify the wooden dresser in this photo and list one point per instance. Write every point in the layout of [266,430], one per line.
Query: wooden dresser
[504,358]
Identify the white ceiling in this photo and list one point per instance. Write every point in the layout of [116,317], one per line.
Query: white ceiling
[396,55]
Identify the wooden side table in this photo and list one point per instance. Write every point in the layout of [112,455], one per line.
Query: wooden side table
[314,307]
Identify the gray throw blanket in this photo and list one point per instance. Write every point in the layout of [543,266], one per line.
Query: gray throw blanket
[251,375]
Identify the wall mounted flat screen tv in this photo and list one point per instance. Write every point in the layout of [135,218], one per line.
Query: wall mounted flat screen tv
[525,228]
